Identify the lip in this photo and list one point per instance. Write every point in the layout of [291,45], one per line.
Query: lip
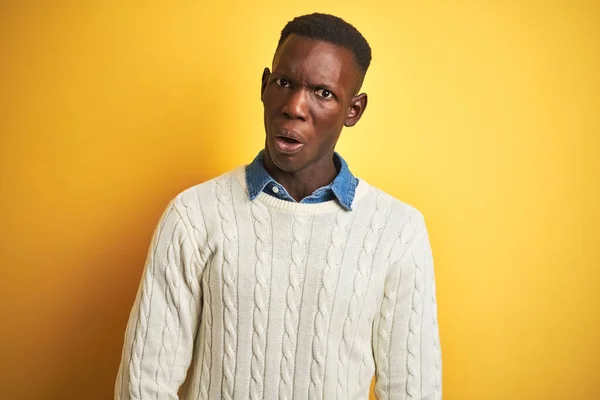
[285,147]
[286,133]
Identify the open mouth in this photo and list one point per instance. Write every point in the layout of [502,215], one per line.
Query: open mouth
[287,145]
[288,140]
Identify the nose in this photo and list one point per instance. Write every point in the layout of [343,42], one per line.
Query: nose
[296,105]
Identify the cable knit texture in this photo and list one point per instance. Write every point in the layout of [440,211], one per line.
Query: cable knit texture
[263,249]
[335,252]
[228,226]
[269,299]
[293,301]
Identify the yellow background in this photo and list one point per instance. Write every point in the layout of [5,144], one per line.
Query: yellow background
[484,115]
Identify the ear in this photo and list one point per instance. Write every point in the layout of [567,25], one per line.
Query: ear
[357,108]
[265,79]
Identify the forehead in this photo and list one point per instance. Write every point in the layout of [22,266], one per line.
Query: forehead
[315,61]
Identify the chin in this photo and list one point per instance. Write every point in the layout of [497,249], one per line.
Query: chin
[283,162]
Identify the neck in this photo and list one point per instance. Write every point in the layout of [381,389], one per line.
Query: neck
[302,183]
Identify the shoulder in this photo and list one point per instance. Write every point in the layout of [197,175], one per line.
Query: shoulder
[201,197]
[405,221]
[400,212]
[196,206]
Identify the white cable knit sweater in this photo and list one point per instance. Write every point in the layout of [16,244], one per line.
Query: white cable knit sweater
[269,299]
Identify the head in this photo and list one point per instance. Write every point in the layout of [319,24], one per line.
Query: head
[312,91]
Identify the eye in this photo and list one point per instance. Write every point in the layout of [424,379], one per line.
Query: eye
[324,93]
[282,82]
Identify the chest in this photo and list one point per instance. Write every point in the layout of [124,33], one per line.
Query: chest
[262,259]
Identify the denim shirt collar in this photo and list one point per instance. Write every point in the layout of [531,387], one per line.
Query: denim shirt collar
[342,188]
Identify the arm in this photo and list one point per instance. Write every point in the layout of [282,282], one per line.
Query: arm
[163,321]
[406,341]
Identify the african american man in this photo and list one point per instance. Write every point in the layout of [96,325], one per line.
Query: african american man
[289,277]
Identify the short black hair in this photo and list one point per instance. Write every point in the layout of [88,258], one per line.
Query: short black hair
[332,29]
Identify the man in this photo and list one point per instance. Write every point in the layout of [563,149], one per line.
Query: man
[289,278]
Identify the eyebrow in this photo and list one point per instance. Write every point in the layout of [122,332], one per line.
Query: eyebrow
[323,85]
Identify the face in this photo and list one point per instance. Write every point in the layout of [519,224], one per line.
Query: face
[308,98]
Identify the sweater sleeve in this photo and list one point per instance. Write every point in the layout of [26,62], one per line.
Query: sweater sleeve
[406,341]
[164,319]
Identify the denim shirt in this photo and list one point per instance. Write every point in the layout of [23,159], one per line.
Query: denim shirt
[341,188]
